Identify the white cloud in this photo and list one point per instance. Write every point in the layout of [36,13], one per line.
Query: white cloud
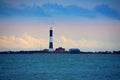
[28,42]
[87,44]
[82,3]
[25,42]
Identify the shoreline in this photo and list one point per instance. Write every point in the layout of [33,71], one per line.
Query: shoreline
[38,52]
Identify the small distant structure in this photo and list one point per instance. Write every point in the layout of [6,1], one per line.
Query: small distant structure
[74,50]
[60,50]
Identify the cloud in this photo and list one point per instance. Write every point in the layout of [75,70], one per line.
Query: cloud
[50,9]
[98,45]
[28,42]
[68,42]
[7,10]
[107,11]
[82,43]
[87,44]
[24,42]
[71,10]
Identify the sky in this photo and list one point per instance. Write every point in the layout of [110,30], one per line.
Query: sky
[90,25]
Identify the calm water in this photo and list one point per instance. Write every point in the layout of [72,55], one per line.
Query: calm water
[59,67]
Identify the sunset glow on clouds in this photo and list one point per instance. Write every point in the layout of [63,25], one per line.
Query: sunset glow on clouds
[18,42]
[90,26]
[33,43]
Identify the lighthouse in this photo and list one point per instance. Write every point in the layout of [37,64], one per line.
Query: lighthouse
[51,40]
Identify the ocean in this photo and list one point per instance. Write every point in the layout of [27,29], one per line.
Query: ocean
[59,67]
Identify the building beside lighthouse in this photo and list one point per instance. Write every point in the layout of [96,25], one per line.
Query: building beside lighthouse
[51,40]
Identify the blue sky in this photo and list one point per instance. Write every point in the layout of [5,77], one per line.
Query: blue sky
[39,8]
[92,25]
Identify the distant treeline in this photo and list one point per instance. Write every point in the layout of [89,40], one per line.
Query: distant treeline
[66,52]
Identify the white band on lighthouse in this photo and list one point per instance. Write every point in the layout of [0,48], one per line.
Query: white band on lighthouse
[51,39]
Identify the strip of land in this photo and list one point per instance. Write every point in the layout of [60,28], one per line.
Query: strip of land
[66,52]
